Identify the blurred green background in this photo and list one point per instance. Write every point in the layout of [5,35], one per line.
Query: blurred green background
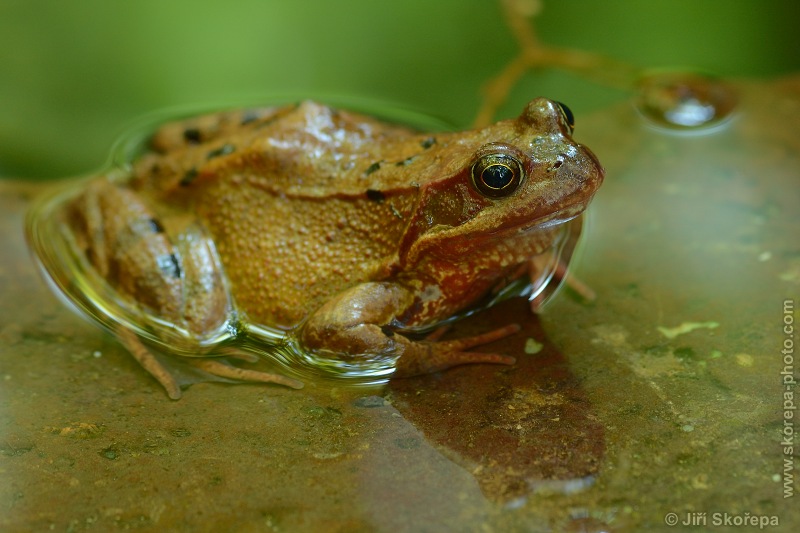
[73,74]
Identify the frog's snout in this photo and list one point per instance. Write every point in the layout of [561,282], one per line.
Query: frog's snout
[599,172]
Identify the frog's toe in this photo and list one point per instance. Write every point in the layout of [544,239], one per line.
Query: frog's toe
[478,340]
[438,360]
[580,288]
[585,292]
[148,361]
[241,355]
[438,333]
[242,374]
[427,357]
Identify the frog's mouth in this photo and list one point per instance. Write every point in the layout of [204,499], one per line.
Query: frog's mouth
[555,219]
[543,220]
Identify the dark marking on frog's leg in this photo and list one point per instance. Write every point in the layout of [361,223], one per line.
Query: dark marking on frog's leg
[406,161]
[242,374]
[155,225]
[148,361]
[375,195]
[372,168]
[169,264]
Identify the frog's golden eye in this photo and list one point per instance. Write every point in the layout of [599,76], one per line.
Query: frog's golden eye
[497,175]
[566,113]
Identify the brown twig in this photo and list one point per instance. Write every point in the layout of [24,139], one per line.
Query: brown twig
[533,54]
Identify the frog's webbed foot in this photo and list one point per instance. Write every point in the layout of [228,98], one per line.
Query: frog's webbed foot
[432,355]
[150,363]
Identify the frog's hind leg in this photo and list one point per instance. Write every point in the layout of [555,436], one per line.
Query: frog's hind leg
[149,362]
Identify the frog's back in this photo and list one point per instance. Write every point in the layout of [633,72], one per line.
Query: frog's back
[306,150]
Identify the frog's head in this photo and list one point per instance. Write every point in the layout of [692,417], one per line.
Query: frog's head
[496,184]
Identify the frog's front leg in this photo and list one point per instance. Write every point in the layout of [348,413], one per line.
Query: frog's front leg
[549,269]
[361,322]
[548,262]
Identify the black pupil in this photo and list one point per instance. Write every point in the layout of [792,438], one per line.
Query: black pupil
[567,114]
[497,176]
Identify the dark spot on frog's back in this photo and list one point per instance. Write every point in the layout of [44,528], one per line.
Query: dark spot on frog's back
[189,177]
[372,168]
[427,143]
[225,149]
[375,195]
[251,115]
[192,135]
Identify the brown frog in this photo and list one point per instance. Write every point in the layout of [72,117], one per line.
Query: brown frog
[337,231]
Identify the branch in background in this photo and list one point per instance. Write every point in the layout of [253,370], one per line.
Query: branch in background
[533,54]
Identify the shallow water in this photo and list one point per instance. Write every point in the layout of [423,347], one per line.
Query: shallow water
[665,395]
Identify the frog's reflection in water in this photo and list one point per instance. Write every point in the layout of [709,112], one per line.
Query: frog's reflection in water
[518,429]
